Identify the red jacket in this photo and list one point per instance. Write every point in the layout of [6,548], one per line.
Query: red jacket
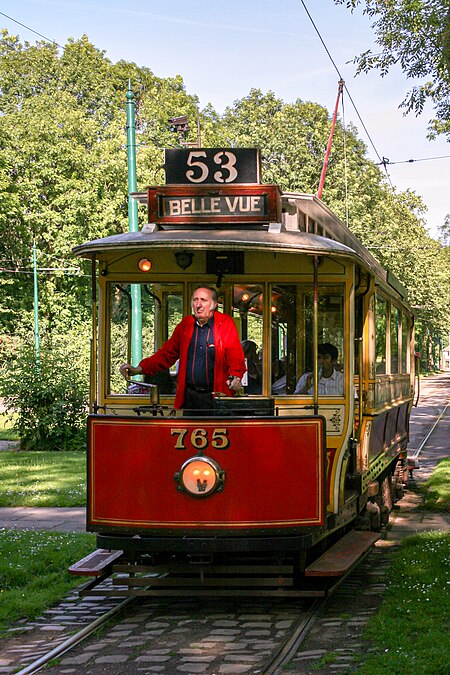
[229,354]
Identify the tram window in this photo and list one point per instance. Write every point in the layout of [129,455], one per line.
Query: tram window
[292,332]
[285,327]
[248,311]
[394,338]
[405,337]
[359,325]
[161,310]
[380,334]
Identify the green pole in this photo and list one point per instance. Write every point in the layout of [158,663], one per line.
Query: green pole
[35,305]
[133,226]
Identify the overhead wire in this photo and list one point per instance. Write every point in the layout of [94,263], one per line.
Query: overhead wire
[346,89]
[32,30]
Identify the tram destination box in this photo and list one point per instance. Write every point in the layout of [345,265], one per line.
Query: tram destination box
[190,204]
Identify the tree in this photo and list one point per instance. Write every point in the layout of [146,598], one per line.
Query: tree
[63,166]
[416,35]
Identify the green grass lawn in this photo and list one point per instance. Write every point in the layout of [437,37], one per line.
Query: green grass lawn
[6,431]
[42,478]
[411,632]
[33,570]
[437,489]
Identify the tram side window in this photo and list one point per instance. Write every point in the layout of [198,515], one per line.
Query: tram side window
[394,331]
[248,310]
[380,334]
[405,342]
[161,309]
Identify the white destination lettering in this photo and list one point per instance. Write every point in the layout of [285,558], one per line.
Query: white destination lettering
[256,206]
[231,203]
[217,205]
[174,207]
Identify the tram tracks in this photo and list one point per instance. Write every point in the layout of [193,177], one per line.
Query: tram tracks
[305,613]
[74,640]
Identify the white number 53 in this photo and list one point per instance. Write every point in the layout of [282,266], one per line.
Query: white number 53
[200,172]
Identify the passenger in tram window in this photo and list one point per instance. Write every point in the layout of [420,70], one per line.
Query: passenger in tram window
[210,355]
[331,380]
[254,382]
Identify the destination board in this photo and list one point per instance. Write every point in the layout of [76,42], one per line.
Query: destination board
[221,166]
[201,204]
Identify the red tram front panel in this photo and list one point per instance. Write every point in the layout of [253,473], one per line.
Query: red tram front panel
[271,473]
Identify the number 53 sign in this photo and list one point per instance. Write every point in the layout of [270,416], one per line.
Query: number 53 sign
[198,166]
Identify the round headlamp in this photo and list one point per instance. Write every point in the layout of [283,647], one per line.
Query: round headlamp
[200,477]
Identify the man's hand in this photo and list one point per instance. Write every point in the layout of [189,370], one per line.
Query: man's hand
[126,369]
[234,383]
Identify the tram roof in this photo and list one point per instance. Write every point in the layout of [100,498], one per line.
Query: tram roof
[338,239]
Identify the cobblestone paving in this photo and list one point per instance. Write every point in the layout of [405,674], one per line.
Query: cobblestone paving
[169,636]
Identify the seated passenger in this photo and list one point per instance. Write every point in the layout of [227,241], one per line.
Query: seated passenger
[331,380]
[254,382]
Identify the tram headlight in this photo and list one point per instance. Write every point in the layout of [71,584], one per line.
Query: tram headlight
[145,265]
[200,477]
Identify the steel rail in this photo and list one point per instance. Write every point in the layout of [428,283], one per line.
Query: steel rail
[425,439]
[292,644]
[74,640]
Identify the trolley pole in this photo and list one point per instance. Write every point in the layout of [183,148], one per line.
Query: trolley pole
[135,289]
[35,306]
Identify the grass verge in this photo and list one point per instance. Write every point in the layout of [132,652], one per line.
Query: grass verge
[42,479]
[410,633]
[436,490]
[33,570]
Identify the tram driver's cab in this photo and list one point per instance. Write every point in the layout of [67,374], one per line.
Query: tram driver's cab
[274,322]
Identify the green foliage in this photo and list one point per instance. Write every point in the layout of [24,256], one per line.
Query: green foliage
[416,35]
[63,175]
[48,396]
[43,479]
[33,570]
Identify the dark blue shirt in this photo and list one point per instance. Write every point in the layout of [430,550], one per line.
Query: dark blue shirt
[201,356]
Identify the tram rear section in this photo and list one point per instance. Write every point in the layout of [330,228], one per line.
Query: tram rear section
[283,486]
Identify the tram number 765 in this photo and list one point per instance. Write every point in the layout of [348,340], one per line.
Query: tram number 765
[201,438]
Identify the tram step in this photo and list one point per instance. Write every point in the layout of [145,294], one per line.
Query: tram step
[343,555]
[96,563]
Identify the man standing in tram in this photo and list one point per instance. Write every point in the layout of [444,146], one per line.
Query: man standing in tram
[211,358]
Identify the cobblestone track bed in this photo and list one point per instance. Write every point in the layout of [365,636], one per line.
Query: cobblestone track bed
[241,636]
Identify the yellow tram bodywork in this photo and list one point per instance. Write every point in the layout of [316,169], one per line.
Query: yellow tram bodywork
[281,255]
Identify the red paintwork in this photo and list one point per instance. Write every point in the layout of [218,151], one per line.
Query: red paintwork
[274,473]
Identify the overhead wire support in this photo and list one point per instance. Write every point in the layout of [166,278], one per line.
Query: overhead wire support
[330,140]
[345,86]
[386,161]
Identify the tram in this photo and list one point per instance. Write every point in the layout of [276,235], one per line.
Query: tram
[293,481]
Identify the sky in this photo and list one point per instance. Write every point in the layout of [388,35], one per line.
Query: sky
[223,49]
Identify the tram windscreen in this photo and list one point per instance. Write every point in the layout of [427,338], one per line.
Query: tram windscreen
[159,310]
[248,315]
